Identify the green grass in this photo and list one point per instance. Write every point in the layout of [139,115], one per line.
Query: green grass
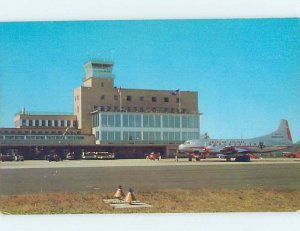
[163,201]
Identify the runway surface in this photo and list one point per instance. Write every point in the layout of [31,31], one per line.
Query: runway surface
[144,175]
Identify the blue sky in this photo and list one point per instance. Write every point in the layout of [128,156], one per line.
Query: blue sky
[246,71]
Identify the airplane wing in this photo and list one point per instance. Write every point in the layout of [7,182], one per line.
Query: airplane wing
[234,150]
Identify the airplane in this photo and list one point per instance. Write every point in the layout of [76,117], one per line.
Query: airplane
[239,148]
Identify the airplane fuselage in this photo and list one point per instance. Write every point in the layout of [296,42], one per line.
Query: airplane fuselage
[275,141]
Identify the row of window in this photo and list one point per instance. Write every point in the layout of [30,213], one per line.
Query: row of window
[138,109]
[148,136]
[7,132]
[141,98]
[48,123]
[150,121]
[10,137]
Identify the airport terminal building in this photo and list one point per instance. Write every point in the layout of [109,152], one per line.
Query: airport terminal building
[110,118]
[121,115]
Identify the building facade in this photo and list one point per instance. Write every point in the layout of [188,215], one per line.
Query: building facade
[144,128]
[121,115]
[26,119]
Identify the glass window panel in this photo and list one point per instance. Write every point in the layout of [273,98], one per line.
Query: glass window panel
[157,136]
[104,136]
[157,121]
[177,122]
[125,120]
[177,136]
[117,135]
[196,122]
[111,120]
[165,136]
[165,121]
[151,121]
[131,136]
[131,121]
[171,121]
[138,135]
[111,136]
[138,120]
[151,136]
[190,122]
[146,135]
[104,121]
[145,121]
[184,122]
[117,121]
[125,136]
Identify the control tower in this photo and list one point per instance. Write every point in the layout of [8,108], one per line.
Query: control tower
[99,69]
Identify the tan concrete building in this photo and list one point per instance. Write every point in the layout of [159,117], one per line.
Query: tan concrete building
[98,93]
[26,119]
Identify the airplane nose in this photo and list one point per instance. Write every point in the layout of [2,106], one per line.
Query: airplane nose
[182,147]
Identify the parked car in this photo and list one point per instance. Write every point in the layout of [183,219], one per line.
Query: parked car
[53,157]
[19,158]
[7,157]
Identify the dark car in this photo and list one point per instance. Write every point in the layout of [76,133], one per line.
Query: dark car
[53,157]
[7,158]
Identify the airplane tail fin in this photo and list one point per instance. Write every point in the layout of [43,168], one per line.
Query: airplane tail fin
[282,136]
[283,133]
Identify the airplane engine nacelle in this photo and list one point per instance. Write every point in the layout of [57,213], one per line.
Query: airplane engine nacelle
[228,149]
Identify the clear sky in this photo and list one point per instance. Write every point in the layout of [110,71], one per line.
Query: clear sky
[246,71]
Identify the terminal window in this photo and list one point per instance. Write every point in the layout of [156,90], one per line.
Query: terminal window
[128,98]
[141,98]
[166,99]
[154,99]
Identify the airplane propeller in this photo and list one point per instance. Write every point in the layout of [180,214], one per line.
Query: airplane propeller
[261,145]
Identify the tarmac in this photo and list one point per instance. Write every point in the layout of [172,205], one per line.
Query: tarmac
[30,177]
[136,163]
